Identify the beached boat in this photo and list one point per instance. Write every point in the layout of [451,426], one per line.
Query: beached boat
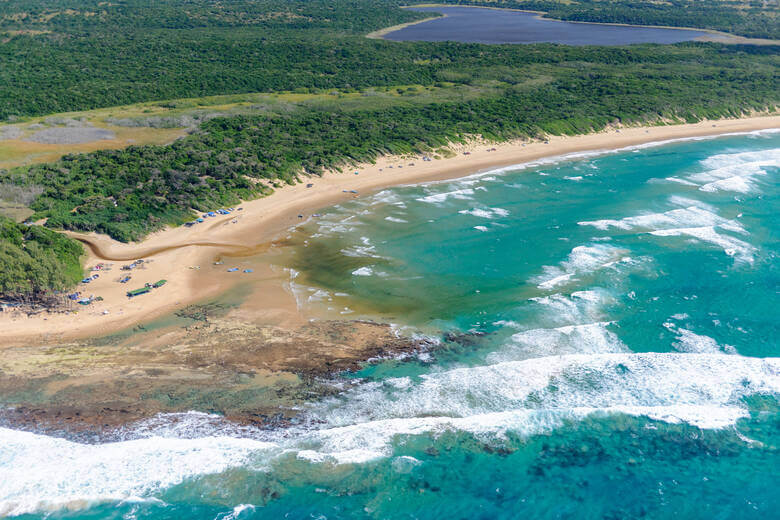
[159,283]
[138,292]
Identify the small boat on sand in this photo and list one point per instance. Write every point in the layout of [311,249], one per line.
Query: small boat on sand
[138,292]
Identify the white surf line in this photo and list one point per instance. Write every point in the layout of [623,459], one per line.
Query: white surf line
[555,159]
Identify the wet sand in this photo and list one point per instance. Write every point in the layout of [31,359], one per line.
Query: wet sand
[185,256]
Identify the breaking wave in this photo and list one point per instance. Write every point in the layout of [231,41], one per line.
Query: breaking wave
[525,397]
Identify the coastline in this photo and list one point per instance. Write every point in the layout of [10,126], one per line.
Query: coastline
[379,34]
[170,253]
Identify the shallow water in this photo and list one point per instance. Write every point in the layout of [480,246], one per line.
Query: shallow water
[476,25]
[624,362]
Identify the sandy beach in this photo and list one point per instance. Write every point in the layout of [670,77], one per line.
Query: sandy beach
[185,257]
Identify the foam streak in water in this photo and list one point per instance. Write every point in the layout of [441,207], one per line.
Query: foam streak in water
[735,172]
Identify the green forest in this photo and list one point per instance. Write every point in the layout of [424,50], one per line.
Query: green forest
[128,193]
[34,260]
[72,55]
[64,55]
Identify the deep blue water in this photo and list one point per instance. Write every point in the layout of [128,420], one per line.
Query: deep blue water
[622,363]
[477,25]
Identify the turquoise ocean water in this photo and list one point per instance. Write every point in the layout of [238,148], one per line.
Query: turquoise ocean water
[609,349]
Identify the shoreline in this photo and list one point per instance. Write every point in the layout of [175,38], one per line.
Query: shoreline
[712,35]
[380,33]
[185,256]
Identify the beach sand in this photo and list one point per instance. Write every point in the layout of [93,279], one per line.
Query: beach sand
[169,254]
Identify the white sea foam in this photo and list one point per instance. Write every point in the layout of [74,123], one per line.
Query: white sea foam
[239,512]
[374,438]
[590,296]
[318,295]
[361,251]
[677,180]
[489,213]
[564,382]
[304,294]
[595,153]
[554,280]
[738,249]
[697,221]
[395,219]
[437,198]
[526,397]
[589,338]
[385,197]
[48,472]
[337,224]
[363,271]
[581,260]
[686,202]
[581,307]
[736,183]
[298,290]
[655,144]
[492,173]
[689,341]
[481,228]
[737,172]
[692,216]
[186,425]
[535,395]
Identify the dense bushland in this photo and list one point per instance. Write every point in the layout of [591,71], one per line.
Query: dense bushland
[128,193]
[34,260]
[63,55]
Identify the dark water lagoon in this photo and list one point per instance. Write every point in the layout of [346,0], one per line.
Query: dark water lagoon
[478,25]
